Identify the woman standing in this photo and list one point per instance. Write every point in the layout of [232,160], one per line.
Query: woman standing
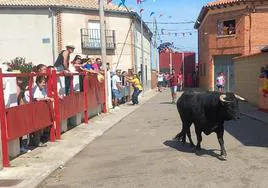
[137,88]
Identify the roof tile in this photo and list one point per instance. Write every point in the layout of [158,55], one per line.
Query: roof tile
[88,4]
[222,2]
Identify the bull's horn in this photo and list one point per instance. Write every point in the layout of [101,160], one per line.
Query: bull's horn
[240,98]
[222,98]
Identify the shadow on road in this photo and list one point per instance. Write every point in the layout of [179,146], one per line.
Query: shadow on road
[248,131]
[167,103]
[186,148]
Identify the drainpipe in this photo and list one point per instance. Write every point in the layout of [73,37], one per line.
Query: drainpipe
[52,34]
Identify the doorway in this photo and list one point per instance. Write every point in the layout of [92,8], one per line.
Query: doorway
[225,64]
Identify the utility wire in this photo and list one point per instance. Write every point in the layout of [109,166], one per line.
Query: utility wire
[172,23]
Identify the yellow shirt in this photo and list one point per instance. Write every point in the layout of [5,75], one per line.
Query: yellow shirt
[265,85]
[136,83]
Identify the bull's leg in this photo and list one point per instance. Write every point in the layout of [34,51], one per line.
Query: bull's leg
[220,133]
[180,136]
[198,133]
[188,132]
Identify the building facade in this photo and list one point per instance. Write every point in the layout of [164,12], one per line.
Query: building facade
[228,29]
[39,30]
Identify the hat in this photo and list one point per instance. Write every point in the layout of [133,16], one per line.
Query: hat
[70,46]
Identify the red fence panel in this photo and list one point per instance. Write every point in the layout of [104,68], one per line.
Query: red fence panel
[71,105]
[25,119]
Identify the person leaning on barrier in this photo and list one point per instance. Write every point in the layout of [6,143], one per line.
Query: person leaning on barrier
[62,65]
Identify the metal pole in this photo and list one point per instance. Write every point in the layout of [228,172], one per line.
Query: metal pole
[103,51]
[142,56]
[183,72]
[155,45]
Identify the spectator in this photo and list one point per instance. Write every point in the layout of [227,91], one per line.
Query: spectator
[173,80]
[265,86]
[262,75]
[220,82]
[77,67]
[116,86]
[137,88]
[160,81]
[88,67]
[166,77]
[95,65]
[62,64]
[41,68]
[38,138]
[231,29]
[180,81]
[99,63]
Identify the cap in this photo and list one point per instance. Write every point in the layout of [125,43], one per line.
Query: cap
[70,46]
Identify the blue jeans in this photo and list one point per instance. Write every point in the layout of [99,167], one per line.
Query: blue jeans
[135,96]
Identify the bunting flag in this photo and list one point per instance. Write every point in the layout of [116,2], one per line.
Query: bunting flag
[152,13]
[160,15]
[170,17]
[138,1]
[141,10]
[122,3]
[175,33]
[109,1]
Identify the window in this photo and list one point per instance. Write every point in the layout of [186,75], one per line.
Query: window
[226,28]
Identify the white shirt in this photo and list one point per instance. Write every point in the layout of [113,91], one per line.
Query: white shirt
[115,80]
[220,80]
[160,77]
[37,94]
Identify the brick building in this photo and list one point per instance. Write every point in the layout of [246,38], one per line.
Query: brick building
[227,29]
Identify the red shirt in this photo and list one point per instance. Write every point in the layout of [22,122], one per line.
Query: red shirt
[173,79]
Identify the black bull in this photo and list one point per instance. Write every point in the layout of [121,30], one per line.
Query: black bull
[207,111]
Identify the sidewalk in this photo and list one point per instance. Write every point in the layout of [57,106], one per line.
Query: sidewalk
[30,169]
[253,112]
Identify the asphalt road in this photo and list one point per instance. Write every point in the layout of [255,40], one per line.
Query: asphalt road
[139,152]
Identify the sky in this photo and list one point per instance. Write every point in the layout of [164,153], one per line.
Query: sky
[172,11]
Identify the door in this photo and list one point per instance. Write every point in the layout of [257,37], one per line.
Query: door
[225,64]
[94,34]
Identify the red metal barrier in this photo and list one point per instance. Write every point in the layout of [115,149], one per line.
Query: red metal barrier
[25,119]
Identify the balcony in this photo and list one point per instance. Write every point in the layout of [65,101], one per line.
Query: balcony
[91,39]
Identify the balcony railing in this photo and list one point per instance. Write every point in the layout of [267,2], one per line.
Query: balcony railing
[91,39]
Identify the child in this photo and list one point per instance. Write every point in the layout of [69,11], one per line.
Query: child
[37,138]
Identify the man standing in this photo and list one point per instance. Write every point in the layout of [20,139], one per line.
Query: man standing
[180,81]
[173,81]
[62,64]
[116,86]
[160,81]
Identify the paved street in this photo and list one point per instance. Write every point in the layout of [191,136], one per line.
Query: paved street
[139,152]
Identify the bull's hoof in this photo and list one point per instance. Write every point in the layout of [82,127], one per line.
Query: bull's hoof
[223,157]
[176,139]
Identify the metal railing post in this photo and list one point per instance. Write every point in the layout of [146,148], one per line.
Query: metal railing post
[56,104]
[85,85]
[3,123]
